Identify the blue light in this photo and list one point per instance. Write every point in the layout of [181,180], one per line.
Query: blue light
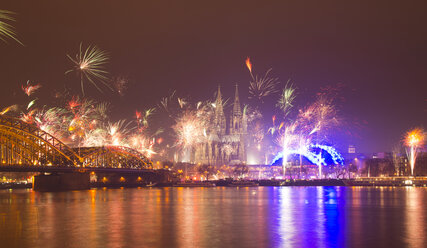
[315,154]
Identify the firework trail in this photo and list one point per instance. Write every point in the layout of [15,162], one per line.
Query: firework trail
[249,65]
[7,31]
[414,140]
[182,102]
[164,102]
[30,89]
[90,65]
[11,108]
[288,138]
[31,103]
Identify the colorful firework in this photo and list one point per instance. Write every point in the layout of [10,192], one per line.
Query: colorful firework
[414,140]
[319,117]
[30,89]
[90,65]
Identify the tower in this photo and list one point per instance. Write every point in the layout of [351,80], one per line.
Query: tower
[236,115]
[219,121]
[219,131]
[238,129]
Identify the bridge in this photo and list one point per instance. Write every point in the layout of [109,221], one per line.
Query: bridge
[26,148]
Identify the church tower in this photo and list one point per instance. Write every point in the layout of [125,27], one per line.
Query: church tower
[236,116]
[238,129]
[219,121]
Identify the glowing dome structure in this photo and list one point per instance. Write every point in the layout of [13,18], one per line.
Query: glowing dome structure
[316,154]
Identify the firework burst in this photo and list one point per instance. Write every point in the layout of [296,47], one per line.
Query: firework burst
[193,126]
[7,31]
[90,64]
[286,100]
[188,128]
[263,86]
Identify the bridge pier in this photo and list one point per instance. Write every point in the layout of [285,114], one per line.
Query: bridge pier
[131,179]
[61,182]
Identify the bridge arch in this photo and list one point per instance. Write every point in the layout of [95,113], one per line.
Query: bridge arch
[113,157]
[25,144]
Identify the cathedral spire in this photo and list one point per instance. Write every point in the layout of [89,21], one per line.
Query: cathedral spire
[218,103]
[236,106]
[219,114]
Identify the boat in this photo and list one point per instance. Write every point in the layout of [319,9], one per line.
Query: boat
[194,184]
[243,184]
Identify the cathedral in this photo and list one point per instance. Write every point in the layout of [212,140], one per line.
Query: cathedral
[226,143]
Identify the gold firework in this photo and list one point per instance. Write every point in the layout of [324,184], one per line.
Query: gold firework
[7,31]
[90,65]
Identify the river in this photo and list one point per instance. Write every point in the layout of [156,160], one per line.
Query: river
[216,217]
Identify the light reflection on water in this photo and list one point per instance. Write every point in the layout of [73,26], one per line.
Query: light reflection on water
[216,217]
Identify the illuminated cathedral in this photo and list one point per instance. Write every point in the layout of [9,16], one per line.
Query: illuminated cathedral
[226,144]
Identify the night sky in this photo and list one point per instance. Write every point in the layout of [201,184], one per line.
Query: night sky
[376,49]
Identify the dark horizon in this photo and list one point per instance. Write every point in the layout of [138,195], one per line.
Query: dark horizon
[377,51]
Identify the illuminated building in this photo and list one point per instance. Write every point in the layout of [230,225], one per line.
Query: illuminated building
[226,143]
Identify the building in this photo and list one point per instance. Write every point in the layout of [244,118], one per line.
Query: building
[227,140]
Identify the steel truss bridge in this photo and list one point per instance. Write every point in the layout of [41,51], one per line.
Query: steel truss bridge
[26,148]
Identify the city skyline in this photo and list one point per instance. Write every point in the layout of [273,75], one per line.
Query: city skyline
[163,57]
[213,123]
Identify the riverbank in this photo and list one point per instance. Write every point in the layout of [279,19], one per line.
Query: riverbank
[373,181]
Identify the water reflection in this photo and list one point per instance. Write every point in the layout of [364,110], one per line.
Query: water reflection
[415,217]
[216,217]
